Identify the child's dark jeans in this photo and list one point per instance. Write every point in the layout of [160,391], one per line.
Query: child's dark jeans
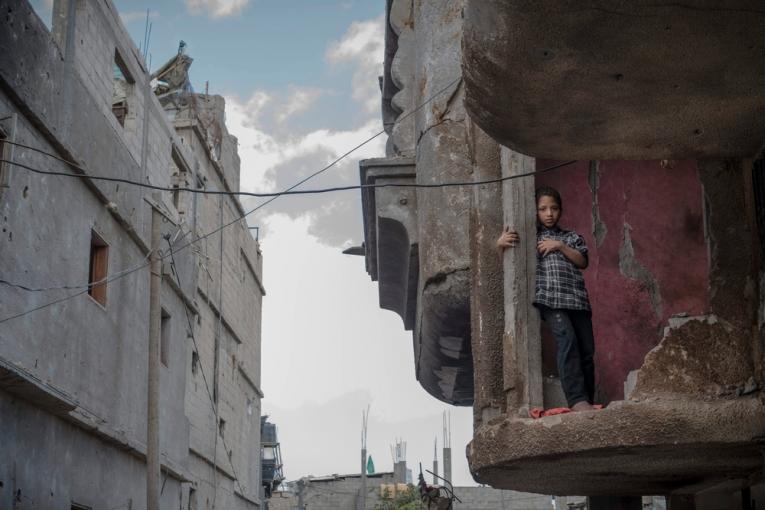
[576,348]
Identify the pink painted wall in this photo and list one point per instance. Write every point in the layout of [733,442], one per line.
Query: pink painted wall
[632,297]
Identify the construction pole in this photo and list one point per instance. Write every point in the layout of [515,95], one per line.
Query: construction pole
[435,463]
[361,502]
[155,318]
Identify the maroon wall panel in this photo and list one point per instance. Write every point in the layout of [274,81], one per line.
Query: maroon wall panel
[652,260]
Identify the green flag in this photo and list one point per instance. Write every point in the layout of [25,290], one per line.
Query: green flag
[370,466]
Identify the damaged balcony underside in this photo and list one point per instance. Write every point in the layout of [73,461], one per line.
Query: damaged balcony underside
[441,338]
[617,80]
[658,446]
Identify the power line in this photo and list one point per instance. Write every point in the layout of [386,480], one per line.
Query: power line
[289,191]
[256,208]
[163,256]
[192,190]
[321,170]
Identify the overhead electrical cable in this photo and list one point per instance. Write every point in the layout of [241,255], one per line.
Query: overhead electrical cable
[272,197]
[182,247]
[290,191]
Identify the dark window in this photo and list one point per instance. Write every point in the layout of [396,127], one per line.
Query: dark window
[180,175]
[194,362]
[222,427]
[122,87]
[164,344]
[99,263]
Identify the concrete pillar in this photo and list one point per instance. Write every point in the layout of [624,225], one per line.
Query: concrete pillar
[615,503]
[399,472]
[486,292]
[362,499]
[522,347]
[448,464]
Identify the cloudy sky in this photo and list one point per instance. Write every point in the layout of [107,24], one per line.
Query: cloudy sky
[300,82]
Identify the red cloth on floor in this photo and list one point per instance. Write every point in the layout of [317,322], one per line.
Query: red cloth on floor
[538,412]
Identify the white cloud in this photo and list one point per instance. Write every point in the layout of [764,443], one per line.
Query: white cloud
[262,153]
[131,16]
[217,8]
[299,100]
[363,45]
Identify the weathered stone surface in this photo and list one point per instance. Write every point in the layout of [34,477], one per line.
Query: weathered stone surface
[424,69]
[630,448]
[73,377]
[402,77]
[699,356]
[617,80]
[390,230]
[486,287]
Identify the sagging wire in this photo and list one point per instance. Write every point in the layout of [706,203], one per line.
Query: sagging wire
[132,270]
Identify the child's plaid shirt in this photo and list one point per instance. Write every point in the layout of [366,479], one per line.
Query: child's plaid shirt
[560,283]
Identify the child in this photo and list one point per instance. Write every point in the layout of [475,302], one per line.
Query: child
[562,298]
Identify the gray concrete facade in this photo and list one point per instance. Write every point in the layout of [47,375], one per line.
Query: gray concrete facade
[73,375]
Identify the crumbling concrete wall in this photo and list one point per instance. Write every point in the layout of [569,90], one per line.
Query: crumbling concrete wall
[648,257]
[427,66]
[92,354]
[718,354]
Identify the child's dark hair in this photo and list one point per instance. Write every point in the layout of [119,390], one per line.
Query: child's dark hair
[547,191]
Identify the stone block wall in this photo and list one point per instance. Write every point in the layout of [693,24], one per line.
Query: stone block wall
[73,375]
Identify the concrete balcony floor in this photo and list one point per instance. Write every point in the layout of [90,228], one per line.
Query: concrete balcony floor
[656,446]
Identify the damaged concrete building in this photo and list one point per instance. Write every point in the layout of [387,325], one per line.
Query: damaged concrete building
[75,294]
[649,120]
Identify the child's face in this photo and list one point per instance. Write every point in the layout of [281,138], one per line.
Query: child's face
[548,211]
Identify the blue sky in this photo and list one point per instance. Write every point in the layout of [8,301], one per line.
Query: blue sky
[300,82]
[268,44]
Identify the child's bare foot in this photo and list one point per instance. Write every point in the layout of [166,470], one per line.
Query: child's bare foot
[582,406]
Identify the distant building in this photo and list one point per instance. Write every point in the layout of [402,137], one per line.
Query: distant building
[75,283]
[340,492]
[272,473]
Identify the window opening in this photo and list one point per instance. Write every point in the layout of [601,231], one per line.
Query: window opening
[180,180]
[222,427]
[242,266]
[98,271]
[164,344]
[122,86]
[192,499]
[194,362]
